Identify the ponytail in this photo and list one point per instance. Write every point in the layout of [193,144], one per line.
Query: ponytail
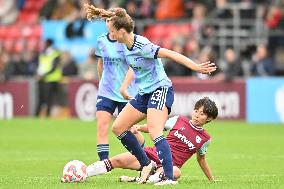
[97,13]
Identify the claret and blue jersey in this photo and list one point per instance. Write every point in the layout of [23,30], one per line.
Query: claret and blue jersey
[115,68]
[148,68]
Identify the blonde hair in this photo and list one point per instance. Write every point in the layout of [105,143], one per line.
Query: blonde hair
[118,16]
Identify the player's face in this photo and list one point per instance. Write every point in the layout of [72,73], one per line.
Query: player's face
[199,118]
[116,34]
[108,22]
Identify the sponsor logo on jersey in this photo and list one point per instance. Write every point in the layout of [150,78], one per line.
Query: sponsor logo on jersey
[184,139]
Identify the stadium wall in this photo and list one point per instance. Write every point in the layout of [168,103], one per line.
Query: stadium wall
[257,100]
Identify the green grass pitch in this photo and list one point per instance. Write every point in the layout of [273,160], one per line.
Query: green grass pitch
[33,153]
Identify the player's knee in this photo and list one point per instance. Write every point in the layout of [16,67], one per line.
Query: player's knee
[177,172]
[117,162]
[116,130]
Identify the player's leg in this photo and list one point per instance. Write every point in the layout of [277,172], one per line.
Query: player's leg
[105,109]
[124,161]
[138,135]
[103,121]
[157,115]
[131,114]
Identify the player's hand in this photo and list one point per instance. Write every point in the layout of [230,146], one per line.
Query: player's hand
[134,129]
[206,67]
[216,180]
[125,94]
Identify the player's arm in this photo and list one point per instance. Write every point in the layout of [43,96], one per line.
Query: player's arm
[204,166]
[206,67]
[127,81]
[100,68]
[143,128]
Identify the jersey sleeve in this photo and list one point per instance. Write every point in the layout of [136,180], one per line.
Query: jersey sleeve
[150,50]
[170,123]
[98,52]
[202,151]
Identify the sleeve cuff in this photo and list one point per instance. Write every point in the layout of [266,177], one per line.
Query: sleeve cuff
[156,53]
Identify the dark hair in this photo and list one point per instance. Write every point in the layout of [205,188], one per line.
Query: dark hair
[118,16]
[209,107]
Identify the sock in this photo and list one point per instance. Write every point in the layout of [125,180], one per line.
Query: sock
[165,156]
[103,151]
[99,167]
[131,143]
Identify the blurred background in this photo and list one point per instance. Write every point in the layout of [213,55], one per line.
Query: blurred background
[245,38]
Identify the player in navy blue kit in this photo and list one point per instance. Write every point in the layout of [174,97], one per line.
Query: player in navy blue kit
[112,68]
[155,92]
[186,137]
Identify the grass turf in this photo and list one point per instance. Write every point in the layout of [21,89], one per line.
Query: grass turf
[33,153]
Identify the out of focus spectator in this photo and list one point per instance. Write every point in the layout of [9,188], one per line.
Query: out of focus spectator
[169,9]
[274,20]
[5,68]
[88,69]
[132,9]
[206,54]
[17,65]
[30,59]
[75,27]
[8,11]
[147,8]
[273,17]
[69,67]
[221,11]
[262,64]
[58,10]
[233,67]
[49,75]
[173,69]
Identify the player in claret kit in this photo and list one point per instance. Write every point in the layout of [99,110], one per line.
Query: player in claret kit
[186,137]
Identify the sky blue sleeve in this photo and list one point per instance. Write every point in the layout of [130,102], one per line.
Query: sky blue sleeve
[202,151]
[150,50]
[98,52]
[170,123]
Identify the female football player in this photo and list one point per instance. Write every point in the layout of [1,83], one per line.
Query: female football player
[112,69]
[186,137]
[155,92]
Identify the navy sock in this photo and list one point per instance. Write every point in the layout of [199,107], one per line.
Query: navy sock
[103,151]
[165,156]
[131,143]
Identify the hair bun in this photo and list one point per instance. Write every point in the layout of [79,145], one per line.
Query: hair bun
[120,12]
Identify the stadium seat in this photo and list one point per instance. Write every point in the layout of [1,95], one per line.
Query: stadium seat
[27,17]
[19,46]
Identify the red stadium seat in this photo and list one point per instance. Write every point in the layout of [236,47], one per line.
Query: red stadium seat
[3,32]
[27,17]
[8,45]
[19,46]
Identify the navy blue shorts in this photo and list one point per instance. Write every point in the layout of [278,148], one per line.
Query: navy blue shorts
[108,105]
[161,97]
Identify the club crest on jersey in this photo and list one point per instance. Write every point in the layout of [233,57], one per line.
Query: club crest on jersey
[198,139]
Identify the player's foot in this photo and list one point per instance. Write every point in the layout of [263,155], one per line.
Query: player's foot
[63,180]
[157,177]
[166,182]
[146,171]
[128,179]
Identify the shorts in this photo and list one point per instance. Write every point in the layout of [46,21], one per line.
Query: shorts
[158,99]
[108,105]
[151,153]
